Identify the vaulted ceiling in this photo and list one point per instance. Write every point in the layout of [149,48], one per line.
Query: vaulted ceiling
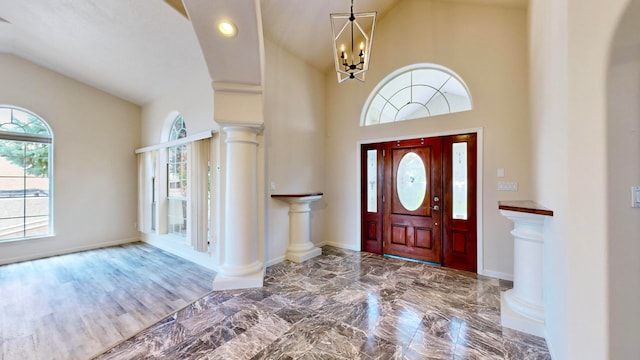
[139,50]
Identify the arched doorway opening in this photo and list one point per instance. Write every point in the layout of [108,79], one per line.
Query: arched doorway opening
[623,159]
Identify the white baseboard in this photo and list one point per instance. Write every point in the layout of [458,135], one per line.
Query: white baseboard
[274,261]
[256,280]
[549,345]
[65,251]
[282,258]
[512,319]
[496,274]
[353,247]
[185,252]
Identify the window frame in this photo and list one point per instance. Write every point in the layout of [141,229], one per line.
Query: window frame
[37,138]
[364,116]
[177,130]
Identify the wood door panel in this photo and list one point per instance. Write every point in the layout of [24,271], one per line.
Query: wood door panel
[415,243]
[459,240]
[372,231]
[399,235]
[424,239]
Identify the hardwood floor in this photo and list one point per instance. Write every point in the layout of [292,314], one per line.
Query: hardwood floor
[78,305]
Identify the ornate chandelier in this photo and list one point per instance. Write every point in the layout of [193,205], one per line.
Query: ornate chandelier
[352,43]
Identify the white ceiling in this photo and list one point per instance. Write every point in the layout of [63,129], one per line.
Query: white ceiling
[304,28]
[134,49]
[234,60]
[140,49]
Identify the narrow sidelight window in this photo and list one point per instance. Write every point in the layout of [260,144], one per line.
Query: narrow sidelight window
[460,184]
[372,181]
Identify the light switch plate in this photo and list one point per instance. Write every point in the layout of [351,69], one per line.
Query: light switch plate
[500,172]
[507,186]
[635,196]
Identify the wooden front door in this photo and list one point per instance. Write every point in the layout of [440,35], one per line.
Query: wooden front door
[412,193]
[419,199]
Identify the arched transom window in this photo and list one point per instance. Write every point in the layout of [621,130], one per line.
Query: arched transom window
[26,151]
[416,91]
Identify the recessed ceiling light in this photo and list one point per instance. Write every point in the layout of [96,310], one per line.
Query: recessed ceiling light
[227,28]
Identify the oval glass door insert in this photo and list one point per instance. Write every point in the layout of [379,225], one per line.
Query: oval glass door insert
[411,181]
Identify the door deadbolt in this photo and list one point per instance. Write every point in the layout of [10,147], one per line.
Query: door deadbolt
[436,199]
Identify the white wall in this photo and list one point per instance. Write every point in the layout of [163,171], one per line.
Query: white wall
[95,135]
[623,148]
[193,98]
[487,47]
[572,164]
[294,142]
[591,28]
[548,35]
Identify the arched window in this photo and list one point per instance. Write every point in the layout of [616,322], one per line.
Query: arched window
[177,180]
[416,91]
[26,175]
[178,129]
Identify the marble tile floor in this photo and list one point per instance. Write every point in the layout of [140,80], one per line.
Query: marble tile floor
[78,305]
[342,305]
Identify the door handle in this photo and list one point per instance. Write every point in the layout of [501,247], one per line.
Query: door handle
[436,207]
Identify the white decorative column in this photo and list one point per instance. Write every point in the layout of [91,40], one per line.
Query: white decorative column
[237,79]
[522,307]
[241,266]
[300,246]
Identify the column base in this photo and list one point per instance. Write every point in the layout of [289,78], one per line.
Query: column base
[300,256]
[225,282]
[514,320]
[523,307]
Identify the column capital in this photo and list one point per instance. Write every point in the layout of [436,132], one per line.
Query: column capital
[242,134]
[228,126]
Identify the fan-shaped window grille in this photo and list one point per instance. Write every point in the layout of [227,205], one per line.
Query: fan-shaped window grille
[178,129]
[416,91]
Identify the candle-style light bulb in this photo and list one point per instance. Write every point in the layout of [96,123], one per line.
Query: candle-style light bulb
[343,56]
